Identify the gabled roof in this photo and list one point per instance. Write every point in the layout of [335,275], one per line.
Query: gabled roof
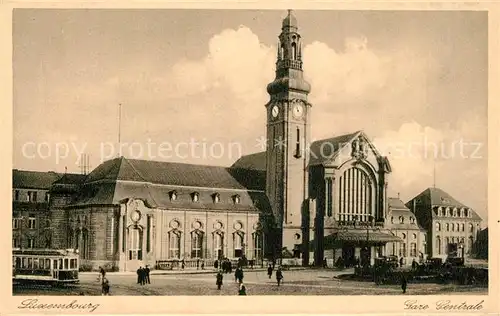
[326,149]
[178,174]
[440,198]
[256,161]
[24,179]
[71,178]
[398,209]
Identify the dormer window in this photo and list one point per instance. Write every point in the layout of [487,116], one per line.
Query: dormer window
[173,195]
[440,212]
[236,199]
[455,214]
[412,220]
[401,219]
[195,196]
[216,197]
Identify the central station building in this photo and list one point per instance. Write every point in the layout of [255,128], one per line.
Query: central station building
[308,201]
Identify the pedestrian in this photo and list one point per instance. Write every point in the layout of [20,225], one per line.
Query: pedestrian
[216,264]
[203,265]
[197,264]
[139,275]
[279,275]
[103,273]
[183,264]
[218,280]
[105,287]
[143,276]
[270,271]
[239,275]
[242,290]
[146,274]
[236,274]
[404,283]
[251,264]
[401,261]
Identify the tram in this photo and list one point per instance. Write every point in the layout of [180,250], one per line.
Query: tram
[45,266]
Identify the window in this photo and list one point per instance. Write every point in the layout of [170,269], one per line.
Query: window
[298,153]
[31,222]
[462,213]
[257,245]
[174,245]
[15,223]
[401,219]
[216,197]
[196,244]
[413,249]
[195,196]
[403,236]
[173,195]
[471,228]
[28,196]
[47,197]
[238,244]
[135,244]
[16,243]
[470,245]
[392,220]
[16,195]
[462,226]
[452,227]
[236,199]
[455,214]
[329,194]
[31,243]
[148,233]
[402,249]
[412,220]
[438,227]
[34,196]
[414,236]
[440,212]
[218,245]
[447,227]
[447,212]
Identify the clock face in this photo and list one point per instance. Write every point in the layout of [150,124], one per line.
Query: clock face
[298,110]
[275,111]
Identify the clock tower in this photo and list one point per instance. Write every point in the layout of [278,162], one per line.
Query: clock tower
[288,136]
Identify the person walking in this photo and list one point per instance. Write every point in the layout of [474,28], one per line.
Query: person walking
[203,265]
[404,283]
[242,290]
[270,271]
[218,279]
[183,264]
[240,275]
[216,264]
[103,273]
[146,275]
[279,276]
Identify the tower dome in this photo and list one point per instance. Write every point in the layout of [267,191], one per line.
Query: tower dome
[290,21]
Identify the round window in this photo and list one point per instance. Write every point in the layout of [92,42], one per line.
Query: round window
[297,236]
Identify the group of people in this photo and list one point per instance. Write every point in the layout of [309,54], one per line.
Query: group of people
[279,273]
[143,275]
[238,276]
[224,264]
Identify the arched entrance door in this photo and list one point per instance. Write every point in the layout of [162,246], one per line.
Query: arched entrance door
[135,255]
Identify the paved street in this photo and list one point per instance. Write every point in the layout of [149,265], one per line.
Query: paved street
[302,282]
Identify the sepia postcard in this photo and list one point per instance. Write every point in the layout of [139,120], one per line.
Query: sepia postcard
[324,158]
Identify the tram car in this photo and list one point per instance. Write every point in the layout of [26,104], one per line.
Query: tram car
[45,266]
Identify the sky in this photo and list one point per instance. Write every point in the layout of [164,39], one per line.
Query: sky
[192,88]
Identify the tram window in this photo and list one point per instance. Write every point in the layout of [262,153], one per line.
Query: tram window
[47,264]
[42,264]
[30,263]
[72,263]
[18,262]
[25,264]
[65,263]
[60,264]
[55,264]
[35,263]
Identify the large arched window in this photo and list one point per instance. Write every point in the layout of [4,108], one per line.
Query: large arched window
[294,51]
[218,245]
[438,245]
[196,244]
[257,245]
[238,241]
[355,195]
[174,244]
[135,243]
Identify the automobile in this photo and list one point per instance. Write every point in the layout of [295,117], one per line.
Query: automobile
[455,261]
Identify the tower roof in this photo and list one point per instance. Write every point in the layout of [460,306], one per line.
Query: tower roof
[290,20]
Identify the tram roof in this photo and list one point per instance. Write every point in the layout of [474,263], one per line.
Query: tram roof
[42,252]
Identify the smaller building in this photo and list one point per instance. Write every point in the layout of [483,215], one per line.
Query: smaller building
[31,227]
[403,224]
[451,226]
